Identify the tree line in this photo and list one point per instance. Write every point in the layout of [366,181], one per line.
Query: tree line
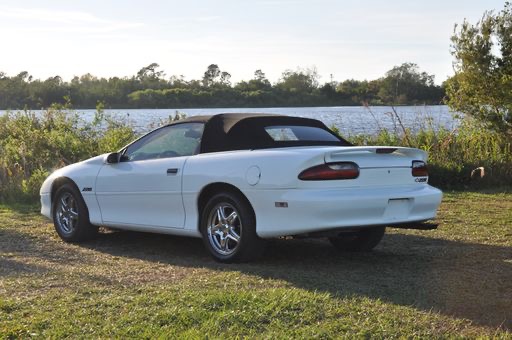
[150,88]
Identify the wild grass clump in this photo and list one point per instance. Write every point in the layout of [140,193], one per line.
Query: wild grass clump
[468,156]
[32,145]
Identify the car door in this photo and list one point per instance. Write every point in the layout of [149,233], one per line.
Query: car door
[144,187]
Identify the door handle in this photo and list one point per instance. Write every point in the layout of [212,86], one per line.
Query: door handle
[173,171]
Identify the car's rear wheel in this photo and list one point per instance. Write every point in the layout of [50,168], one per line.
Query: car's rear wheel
[70,215]
[361,240]
[228,227]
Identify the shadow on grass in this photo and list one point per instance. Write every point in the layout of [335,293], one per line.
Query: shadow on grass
[22,254]
[464,280]
[12,266]
[35,247]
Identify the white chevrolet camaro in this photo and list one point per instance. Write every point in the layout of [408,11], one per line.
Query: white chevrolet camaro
[238,179]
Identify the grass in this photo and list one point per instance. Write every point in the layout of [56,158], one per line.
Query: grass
[453,281]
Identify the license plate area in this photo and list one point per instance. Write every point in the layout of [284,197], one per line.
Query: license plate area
[398,209]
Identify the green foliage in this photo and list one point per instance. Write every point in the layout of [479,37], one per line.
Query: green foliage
[335,129]
[352,90]
[33,145]
[405,83]
[149,89]
[454,155]
[301,81]
[257,85]
[30,187]
[214,77]
[211,75]
[150,73]
[482,85]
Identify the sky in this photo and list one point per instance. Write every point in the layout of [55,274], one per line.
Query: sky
[347,39]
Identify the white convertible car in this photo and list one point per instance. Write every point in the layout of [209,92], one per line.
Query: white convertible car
[237,179]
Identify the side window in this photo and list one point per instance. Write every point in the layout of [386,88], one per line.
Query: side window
[170,141]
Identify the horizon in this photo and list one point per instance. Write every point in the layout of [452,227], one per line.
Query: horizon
[117,39]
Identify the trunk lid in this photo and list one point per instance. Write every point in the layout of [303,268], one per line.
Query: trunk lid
[378,166]
[377,156]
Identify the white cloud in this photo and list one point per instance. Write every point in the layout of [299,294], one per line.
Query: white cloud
[207,18]
[65,20]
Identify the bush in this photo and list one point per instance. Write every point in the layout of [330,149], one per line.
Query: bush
[32,146]
[30,187]
[456,157]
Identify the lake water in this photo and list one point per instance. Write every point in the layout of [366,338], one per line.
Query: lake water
[350,120]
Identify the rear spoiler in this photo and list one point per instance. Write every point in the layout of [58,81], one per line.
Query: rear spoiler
[416,154]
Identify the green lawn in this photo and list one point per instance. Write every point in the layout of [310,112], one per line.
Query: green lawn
[454,281]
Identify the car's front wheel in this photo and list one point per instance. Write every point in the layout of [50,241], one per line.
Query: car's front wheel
[70,215]
[228,227]
[362,240]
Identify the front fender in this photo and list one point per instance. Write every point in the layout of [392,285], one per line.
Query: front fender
[83,175]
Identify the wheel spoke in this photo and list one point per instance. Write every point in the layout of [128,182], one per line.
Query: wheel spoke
[232,217]
[220,215]
[70,224]
[71,203]
[233,235]
[64,222]
[73,214]
[215,228]
[215,238]
[223,243]
[64,205]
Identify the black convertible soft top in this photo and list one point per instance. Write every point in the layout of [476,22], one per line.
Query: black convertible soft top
[241,131]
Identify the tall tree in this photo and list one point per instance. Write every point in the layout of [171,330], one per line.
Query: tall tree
[260,76]
[405,83]
[482,84]
[260,80]
[210,75]
[302,80]
[225,79]
[150,73]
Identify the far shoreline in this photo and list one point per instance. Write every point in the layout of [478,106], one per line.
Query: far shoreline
[232,107]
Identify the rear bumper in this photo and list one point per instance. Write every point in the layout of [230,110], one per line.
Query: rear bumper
[314,210]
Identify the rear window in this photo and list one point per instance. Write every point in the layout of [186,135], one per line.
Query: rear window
[300,133]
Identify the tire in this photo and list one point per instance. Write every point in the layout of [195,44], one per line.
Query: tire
[70,215]
[228,227]
[361,240]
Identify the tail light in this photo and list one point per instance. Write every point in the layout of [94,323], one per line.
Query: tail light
[419,169]
[330,171]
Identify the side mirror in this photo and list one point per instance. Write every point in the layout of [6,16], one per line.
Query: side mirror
[113,158]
